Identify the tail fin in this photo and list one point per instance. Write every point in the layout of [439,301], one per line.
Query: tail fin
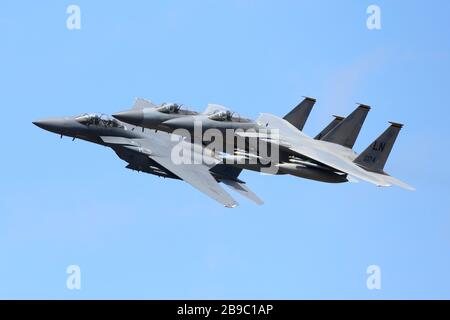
[331,126]
[298,116]
[375,156]
[346,132]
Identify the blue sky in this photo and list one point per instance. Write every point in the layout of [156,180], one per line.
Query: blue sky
[139,236]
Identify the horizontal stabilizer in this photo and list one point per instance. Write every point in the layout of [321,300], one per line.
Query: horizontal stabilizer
[298,116]
[346,132]
[395,182]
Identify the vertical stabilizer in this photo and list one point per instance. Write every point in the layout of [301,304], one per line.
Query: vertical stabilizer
[298,116]
[375,156]
[346,132]
[331,126]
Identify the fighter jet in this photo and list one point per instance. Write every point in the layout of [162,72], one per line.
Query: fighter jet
[151,152]
[331,158]
[341,131]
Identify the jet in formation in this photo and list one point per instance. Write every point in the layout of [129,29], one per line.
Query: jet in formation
[146,136]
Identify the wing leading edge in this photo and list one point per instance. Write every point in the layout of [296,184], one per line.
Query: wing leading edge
[197,175]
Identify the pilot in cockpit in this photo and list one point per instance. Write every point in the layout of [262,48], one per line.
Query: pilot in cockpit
[169,108]
[98,120]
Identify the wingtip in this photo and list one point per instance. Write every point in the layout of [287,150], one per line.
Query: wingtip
[409,188]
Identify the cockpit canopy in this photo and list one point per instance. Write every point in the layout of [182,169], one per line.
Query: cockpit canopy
[227,115]
[169,108]
[222,115]
[99,120]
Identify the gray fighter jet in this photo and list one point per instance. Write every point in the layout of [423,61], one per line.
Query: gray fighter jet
[341,131]
[152,152]
[328,157]
[331,159]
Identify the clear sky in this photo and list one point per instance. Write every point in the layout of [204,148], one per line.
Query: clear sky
[138,236]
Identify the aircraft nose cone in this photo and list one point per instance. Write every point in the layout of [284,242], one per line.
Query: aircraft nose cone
[130,116]
[53,124]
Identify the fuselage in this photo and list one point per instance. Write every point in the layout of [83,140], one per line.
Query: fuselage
[94,129]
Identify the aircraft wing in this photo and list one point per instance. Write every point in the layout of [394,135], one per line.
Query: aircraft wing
[339,163]
[243,190]
[297,142]
[197,175]
[394,181]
